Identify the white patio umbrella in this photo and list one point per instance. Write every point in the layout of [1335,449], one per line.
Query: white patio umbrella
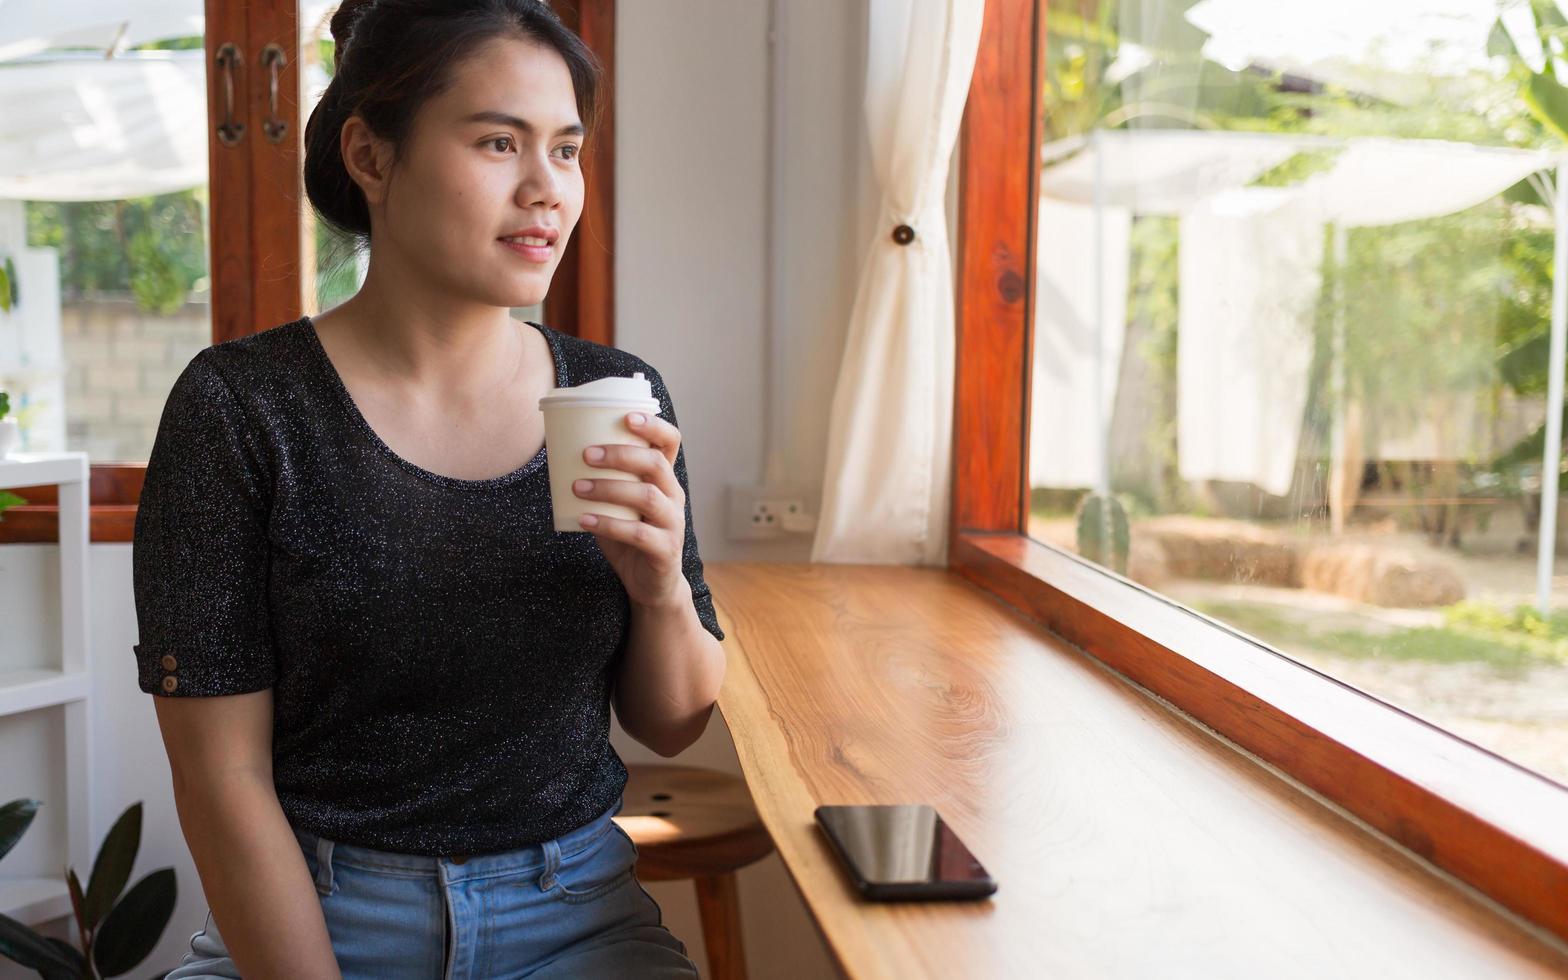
[28,27]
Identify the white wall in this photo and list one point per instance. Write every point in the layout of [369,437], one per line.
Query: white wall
[691,262]
[690,266]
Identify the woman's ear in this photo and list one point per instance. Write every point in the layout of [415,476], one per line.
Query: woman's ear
[366,157]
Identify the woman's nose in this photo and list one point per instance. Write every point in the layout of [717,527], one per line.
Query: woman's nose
[538,184]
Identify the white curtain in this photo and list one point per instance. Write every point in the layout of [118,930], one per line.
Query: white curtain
[886,487]
[1249,263]
[1065,449]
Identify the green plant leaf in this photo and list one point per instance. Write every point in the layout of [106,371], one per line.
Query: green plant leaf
[112,867]
[1523,366]
[1548,102]
[1500,43]
[71,953]
[1547,16]
[18,814]
[9,500]
[15,295]
[5,287]
[1527,450]
[23,945]
[74,885]
[133,927]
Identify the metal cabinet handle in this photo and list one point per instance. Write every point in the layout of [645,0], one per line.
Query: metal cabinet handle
[274,58]
[231,130]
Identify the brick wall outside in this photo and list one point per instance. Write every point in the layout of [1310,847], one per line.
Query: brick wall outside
[121,362]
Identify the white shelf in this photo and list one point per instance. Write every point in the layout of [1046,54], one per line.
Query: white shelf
[39,469]
[66,687]
[31,901]
[33,688]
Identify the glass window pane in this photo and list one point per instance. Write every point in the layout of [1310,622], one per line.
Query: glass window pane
[103,216]
[1292,334]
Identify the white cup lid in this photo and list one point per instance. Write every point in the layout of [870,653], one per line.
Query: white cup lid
[614,390]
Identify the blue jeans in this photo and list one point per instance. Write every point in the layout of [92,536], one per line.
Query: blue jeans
[568,907]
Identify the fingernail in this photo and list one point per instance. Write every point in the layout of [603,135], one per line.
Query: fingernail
[595,453]
[589,520]
[637,418]
[583,486]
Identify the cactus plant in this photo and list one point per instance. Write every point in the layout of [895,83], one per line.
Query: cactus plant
[117,932]
[1103,535]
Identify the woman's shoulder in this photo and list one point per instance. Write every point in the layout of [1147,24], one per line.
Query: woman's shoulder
[266,358]
[251,372]
[589,360]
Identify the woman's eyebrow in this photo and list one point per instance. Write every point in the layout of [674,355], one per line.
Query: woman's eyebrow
[507,119]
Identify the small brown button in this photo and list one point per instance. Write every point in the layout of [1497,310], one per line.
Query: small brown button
[903,234]
[459,859]
[170,683]
[168,661]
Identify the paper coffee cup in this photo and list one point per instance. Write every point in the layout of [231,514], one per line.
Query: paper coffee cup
[591,414]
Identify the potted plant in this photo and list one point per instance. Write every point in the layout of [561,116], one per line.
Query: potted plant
[10,433]
[117,931]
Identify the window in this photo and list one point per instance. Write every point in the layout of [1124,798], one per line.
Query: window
[145,283]
[1278,280]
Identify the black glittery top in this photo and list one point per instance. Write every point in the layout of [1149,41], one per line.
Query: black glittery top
[441,657]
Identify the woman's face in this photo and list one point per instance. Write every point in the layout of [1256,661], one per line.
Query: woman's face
[491,157]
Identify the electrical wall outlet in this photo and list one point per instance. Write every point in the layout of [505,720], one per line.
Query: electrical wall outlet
[762,513]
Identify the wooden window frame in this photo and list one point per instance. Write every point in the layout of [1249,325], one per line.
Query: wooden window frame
[257,201]
[1487,821]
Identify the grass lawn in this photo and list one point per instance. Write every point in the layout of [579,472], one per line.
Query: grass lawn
[1471,633]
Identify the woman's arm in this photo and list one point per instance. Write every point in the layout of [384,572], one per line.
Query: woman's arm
[669,679]
[251,868]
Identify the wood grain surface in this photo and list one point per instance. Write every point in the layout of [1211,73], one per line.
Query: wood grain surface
[1125,840]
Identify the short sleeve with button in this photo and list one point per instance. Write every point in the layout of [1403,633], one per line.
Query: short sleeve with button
[200,553]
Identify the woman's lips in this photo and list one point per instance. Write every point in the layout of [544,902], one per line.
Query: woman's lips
[533,253]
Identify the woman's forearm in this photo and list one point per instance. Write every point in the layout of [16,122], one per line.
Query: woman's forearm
[670,676]
[256,880]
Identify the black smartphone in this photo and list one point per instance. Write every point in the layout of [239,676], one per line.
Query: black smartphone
[902,851]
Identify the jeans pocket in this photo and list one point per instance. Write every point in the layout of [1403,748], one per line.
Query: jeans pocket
[596,870]
[310,846]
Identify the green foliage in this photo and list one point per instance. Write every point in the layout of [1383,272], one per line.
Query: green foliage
[119,928]
[9,500]
[1298,167]
[155,277]
[1472,632]
[336,279]
[1420,303]
[151,247]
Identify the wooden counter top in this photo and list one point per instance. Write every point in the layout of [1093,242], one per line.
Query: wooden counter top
[1125,840]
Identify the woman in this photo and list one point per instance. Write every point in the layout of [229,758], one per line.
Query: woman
[346,533]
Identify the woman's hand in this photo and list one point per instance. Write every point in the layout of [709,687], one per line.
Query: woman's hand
[645,553]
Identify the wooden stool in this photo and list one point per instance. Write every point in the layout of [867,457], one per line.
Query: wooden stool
[689,822]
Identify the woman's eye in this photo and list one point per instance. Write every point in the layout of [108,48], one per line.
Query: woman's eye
[574,151]
[500,139]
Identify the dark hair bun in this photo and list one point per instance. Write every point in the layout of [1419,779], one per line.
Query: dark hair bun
[342,25]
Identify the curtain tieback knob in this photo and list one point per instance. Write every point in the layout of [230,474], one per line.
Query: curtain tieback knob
[903,234]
